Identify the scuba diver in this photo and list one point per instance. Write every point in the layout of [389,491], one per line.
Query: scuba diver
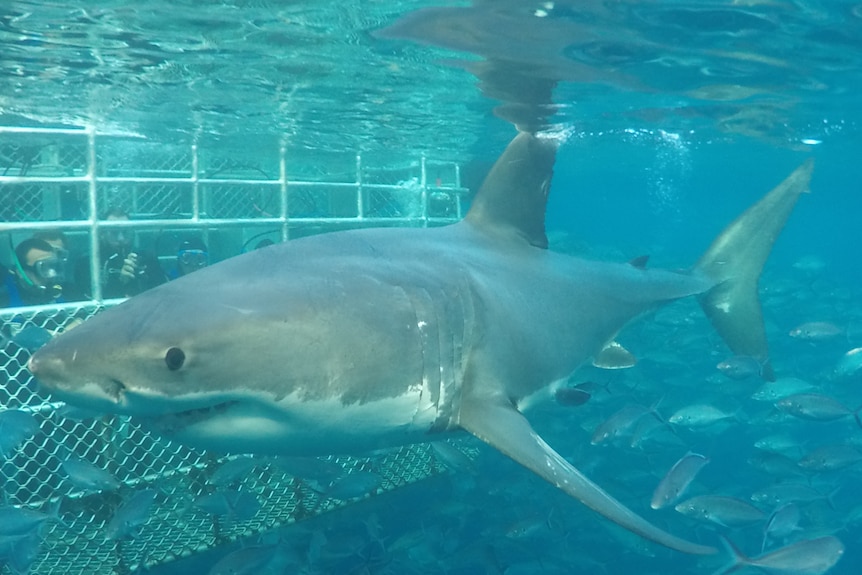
[125,270]
[192,255]
[38,276]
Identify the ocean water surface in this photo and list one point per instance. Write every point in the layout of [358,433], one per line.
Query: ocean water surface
[674,116]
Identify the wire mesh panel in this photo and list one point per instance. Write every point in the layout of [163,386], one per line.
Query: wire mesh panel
[240,201]
[68,180]
[157,500]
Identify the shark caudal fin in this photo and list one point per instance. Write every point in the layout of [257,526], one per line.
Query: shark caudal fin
[734,261]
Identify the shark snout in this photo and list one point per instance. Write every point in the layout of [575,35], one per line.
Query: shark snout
[46,367]
[53,370]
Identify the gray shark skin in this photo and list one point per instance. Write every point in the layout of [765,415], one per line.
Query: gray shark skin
[354,340]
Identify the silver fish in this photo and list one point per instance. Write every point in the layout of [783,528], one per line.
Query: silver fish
[16,426]
[18,522]
[773,463]
[20,554]
[809,557]
[231,471]
[355,484]
[528,527]
[131,515]
[245,561]
[572,396]
[699,415]
[32,337]
[815,407]
[830,458]
[782,522]
[816,331]
[648,428]
[850,363]
[782,387]
[783,493]
[318,472]
[239,505]
[740,367]
[677,479]
[619,423]
[721,510]
[779,443]
[452,457]
[85,475]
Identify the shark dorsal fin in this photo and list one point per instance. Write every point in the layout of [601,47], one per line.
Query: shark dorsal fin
[513,197]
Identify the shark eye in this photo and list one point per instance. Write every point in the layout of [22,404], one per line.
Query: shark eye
[174,358]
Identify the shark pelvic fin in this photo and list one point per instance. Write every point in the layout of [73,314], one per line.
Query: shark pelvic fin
[614,356]
[734,262]
[496,422]
[512,199]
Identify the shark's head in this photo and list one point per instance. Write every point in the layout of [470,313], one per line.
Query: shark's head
[214,363]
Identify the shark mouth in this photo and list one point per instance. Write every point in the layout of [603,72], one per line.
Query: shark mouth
[174,422]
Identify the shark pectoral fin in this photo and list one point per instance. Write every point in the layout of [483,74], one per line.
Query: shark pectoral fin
[496,422]
[734,262]
[614,356]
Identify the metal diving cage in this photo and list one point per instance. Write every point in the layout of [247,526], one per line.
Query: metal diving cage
[231,198]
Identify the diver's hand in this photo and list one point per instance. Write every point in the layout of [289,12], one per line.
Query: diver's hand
[129,271]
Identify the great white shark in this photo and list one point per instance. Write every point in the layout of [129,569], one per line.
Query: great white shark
[354,340]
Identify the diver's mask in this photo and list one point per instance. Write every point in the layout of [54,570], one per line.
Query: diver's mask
[49,271]
[193,260]
[52,269]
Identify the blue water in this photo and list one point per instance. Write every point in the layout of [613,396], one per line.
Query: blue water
[679,115]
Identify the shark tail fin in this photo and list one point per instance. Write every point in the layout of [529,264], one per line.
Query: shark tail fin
[734,262]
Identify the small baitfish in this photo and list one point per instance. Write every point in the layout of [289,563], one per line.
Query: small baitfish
[740,367]
[721,510]
[788,492]
[232,470]
[677,479]
[354,484]
[620,422]
[850,363]
[452,457]
[699,415]
[131,515]
[19,522]
[245,561]
[808,557]
[782,387]
[815,407]
[84,475]
[16,426]
[782,522]
[238,505]
[816,331]
[830,458]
